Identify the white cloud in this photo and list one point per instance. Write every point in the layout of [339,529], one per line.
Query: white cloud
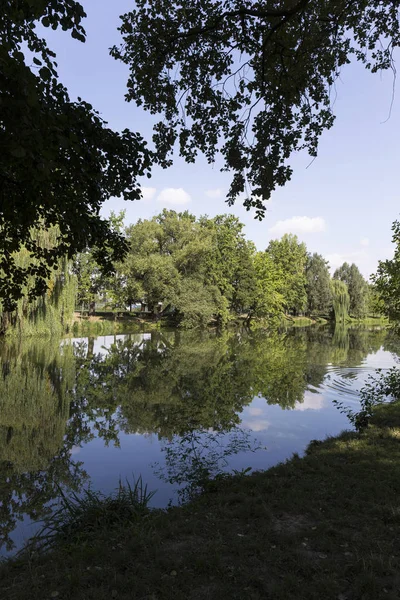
[148,193]
[174,196]
[364,241]
[336,260]
[256,424]
[299,225]
[311,401]
[217,193]
[255,412]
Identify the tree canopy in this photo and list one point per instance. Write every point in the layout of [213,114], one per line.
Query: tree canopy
[291,256]
[201,270]
[252,80]
[357,288]
[200,267]
[59,160]
[340,299]
[387,279]
[319,296]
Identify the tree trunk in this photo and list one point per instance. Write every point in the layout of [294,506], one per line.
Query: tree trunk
[5,321]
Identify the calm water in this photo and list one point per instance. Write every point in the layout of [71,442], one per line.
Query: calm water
[159,404]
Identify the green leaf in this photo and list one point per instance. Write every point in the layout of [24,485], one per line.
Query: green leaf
[45,73]
[18,152]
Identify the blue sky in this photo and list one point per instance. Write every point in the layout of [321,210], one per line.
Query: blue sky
[342,205]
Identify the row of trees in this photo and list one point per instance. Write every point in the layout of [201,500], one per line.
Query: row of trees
[199,269]
[60,161]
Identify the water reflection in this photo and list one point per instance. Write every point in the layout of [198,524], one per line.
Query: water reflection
[34,442]
[170,384]
[197,457]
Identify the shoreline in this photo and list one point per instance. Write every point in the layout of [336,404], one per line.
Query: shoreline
[321,526]
[106,323]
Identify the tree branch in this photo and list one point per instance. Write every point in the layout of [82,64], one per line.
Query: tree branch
[243,13]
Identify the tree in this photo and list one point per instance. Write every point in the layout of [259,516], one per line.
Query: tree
[202,268]
[290,256]
[59,161]
[51,313]
[340,300]
[268,301]
[357,288]
[387,279]
[376,305]
[250,79]
[197,304]
[319,296]
[168,263]
[91,279]
[231,265]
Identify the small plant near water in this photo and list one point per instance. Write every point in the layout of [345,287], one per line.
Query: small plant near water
[195,461]
[380,388]
[80,517]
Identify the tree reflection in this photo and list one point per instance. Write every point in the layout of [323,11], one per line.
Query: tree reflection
[197,457]
[34,448]
[351,346]
[174,384]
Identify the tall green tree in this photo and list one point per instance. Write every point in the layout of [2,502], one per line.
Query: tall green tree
[357,288]
[231,265]
[51,313]
[268,300]
[340,300]
[318,288]
[92,282]
[387,279]
[290,256]
[222,70]
[202,268]
[59,160]
[376,305]
[168,263]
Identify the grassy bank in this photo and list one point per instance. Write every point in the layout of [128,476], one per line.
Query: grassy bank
[367,321]
[321,527]
[109,323]
[302,321]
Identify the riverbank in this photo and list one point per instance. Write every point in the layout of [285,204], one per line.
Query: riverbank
[110,323]
[367,321]
[113,323]
[322,526]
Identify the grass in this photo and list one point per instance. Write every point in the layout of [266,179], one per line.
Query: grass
[290,321]
[108,322]
[320,527]
[79,517]
[370,320]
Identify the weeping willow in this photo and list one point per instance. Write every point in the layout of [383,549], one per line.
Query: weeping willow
[340,300]
[340,344]
[51,313]
[34,403]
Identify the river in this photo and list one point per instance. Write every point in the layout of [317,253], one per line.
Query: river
[166,406]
